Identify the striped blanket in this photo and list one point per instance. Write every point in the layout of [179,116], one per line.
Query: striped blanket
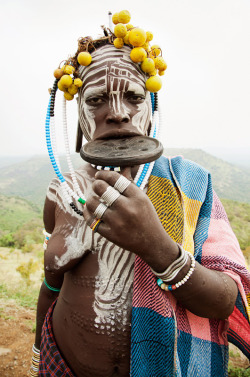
[167,339]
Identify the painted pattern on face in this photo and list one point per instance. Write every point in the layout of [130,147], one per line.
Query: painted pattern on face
[113,77]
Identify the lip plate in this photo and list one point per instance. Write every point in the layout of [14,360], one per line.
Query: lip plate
[125,151]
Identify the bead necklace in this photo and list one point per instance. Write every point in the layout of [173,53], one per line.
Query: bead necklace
[141,178]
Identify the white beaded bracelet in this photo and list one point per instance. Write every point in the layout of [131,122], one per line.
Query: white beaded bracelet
[172,287]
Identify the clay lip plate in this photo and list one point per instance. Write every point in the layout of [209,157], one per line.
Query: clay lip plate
[125,151]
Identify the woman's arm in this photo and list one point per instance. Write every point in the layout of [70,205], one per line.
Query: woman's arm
[132,223]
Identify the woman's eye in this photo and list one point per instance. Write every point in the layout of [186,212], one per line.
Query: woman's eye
[136,98]
[94,101]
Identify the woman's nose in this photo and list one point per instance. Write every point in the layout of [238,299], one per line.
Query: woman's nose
[117,118]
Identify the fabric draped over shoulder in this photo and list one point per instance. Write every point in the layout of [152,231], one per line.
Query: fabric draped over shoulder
[167,339]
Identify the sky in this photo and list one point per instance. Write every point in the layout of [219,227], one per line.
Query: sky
[205,99]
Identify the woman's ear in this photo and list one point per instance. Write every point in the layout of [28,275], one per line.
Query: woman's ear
[79,136]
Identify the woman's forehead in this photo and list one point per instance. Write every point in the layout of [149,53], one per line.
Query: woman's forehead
[113,69]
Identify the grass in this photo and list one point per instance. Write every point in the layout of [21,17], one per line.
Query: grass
[15,212]
[239,216]
[23,296]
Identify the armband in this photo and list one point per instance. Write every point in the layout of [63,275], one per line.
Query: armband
[51,288]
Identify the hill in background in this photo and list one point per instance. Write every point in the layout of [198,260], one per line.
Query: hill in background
[15,211]
[29,179]
[229,181]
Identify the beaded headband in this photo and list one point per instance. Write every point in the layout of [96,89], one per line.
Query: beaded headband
[67,74]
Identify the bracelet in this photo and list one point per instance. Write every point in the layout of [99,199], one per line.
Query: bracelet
[34,368]
[51,288]
[171,272]
[172,287]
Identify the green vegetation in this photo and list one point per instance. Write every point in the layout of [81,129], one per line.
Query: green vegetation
[239,217]
[23,296]
[20,223]
[15,211]
[238,372]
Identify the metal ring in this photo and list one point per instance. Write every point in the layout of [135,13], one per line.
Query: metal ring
[110,196]
[99,211]
[121,184]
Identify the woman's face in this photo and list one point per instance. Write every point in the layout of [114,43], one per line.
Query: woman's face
[113,101]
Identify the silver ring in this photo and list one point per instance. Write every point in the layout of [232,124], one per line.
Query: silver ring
[110,195]
[99,211]
[121,184]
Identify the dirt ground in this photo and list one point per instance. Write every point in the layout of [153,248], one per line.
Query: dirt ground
[16,339]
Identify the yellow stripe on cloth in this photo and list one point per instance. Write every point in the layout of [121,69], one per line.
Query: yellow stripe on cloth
[177,213]
[191,213]
[167,202]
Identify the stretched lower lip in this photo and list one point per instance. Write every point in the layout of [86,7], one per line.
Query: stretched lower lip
[118,135]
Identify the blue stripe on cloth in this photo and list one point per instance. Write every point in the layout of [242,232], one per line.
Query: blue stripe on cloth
[161,169]
[202,226]
[152,344]
[192,178]
[198,357]
[239,304]
[219,365]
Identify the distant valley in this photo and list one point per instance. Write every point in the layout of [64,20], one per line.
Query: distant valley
[29,178]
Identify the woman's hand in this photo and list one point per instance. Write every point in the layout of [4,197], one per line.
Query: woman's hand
[131,222]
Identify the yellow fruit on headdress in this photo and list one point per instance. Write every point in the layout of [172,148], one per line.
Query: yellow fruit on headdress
[155,50]
[149,36]
[148,65]
[68,96]
[160,63]
[146,46]
[153,72]
[118,42]
[73,89]
[115,18]
[66,81]
[161,73]
[58,73]
[61,87]
[124,16]
[69,69]
[126,38]
[137,37]
[120,30]
[153,84]
[78,82]
[84,58]
[138,54]
[129,26]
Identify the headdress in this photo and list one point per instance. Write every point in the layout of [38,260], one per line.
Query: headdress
[66,80]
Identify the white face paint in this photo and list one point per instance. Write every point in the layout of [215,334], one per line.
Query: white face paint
[113,86]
